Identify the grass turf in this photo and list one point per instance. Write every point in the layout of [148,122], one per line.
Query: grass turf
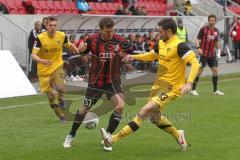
[31,132]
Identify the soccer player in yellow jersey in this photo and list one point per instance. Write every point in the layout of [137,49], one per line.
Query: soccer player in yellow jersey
[47,52]
[170,83]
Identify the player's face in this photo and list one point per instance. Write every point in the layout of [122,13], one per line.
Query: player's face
[51,27]
[107,33]
[163,34]
[212,21]
[38,26]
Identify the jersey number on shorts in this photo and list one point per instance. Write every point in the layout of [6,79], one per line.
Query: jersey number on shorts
[163,96]
[87,102]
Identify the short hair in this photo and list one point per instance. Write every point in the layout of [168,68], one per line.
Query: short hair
[180,21]
[51,18]
[168,23]
[212,16]
[106,22]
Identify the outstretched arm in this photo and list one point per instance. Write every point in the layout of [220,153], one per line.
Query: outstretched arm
[148,56]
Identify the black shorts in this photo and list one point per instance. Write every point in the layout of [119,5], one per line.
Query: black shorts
[94,93]
[211,61]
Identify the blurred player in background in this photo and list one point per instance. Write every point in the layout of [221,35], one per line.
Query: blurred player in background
[208,38]
[47,52]
[106,49]
[170,83]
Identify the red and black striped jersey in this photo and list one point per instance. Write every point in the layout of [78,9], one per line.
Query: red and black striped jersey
[208,38]
[106,58]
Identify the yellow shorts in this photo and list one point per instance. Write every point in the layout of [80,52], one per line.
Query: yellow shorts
[56,78]
[161,97]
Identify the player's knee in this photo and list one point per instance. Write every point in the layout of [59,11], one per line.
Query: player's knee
[60,90]
[119,107]
[215,72]
[84,109]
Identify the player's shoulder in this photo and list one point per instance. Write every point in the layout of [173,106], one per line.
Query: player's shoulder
[42,35]
[60,33]
[94,36]
[216,29]
[203,28]
[118,37]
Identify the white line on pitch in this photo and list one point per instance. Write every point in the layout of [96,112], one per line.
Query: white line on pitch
[31,104]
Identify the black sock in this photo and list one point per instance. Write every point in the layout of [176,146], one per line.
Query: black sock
[113,122]
[195,83]
[215,82]
[77,122]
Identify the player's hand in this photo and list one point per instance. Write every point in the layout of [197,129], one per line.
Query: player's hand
[219,54]
[85,59]
[46,62]
[82,47]
[129,67]
[200,52]
[127,58]
[186,88]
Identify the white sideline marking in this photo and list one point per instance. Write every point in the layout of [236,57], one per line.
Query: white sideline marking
[22,105]
[30,104]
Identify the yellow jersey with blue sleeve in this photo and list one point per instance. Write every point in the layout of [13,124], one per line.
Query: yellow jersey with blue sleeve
[173,55]
[50,48]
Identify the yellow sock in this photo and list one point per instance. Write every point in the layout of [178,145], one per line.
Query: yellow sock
[167,126]
[128,129]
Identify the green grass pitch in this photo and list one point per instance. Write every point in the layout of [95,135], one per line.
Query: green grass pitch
[30,131]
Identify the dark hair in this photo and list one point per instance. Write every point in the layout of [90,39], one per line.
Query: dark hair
[168,23]
[106,22]
[51,18]
[212,16]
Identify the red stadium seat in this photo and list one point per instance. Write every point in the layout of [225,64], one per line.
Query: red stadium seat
[51,6]
[12,8]
[66,7]
[58,6]
[99,7]
[19,6]
[44,7]
[37,8]
[73,7]
[106,8]
[92,5]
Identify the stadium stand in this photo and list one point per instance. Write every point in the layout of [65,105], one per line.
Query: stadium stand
[154,7]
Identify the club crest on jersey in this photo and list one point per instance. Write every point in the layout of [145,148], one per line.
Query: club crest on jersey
[59,41]
[168,49]
[116,48]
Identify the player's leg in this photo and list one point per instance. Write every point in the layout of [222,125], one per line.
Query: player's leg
[235,50]
[115,93]
[195,82]
[163,123]
[131,127]
[213,64]
[91,97]
[52,94]
[56,90]
[58,84]
[44,83]
[118,102]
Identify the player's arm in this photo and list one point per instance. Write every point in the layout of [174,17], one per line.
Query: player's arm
[188,56]
[197,41]
[218,45]
[186,35]
[148,56]
[69,45]
[36,48]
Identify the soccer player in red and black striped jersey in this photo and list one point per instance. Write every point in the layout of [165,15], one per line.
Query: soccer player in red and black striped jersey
[106,50]
[207,39]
